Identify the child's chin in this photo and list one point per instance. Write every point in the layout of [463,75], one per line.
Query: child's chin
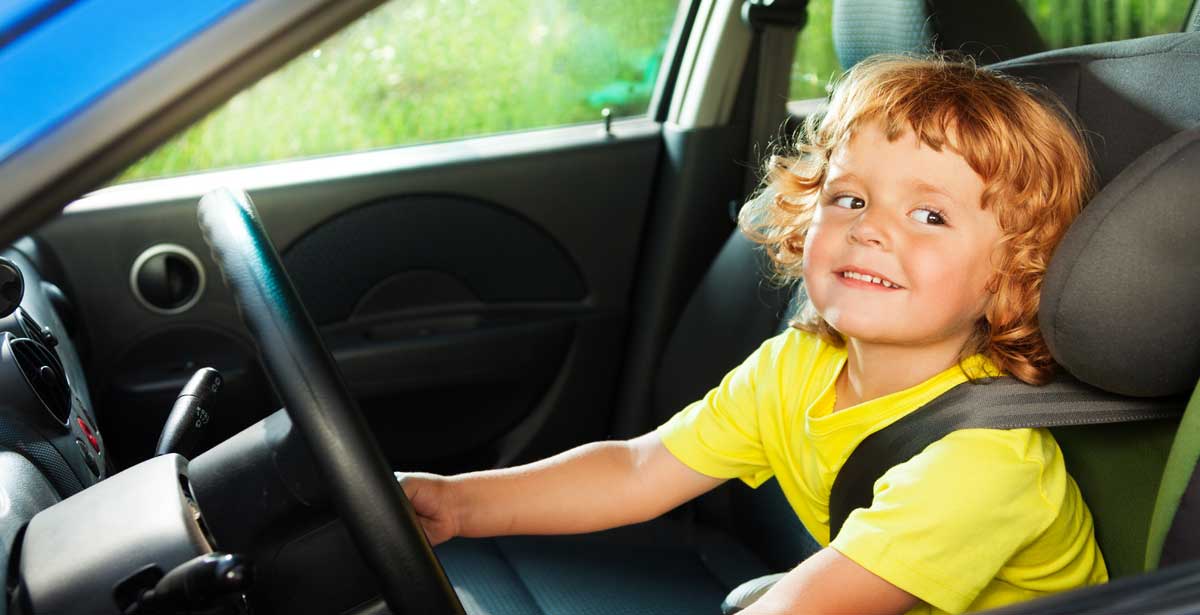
[872,331]
[858,321]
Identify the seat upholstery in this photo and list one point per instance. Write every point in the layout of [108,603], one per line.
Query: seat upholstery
[989,31]
[1129,95]
[662,567]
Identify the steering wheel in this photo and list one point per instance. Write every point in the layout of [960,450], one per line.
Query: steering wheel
[363,490]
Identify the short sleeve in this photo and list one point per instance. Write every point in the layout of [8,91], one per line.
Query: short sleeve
[942,524]
[719,435]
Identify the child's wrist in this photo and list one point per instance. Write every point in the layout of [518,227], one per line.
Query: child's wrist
[454,497]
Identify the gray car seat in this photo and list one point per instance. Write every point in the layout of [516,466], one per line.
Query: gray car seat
[1131,95]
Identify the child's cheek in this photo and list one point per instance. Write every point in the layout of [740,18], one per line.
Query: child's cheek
[810,250]
[816,241]
[816,262]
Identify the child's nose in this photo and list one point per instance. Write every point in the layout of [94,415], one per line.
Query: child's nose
[868,228]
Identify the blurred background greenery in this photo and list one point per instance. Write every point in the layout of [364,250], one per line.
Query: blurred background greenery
[1061,23]
[428,70]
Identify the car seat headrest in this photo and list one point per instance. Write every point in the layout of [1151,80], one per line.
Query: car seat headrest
[863,28]
[1120,305]
[990,31]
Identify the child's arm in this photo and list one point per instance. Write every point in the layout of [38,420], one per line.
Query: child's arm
[588,488]
[830,582]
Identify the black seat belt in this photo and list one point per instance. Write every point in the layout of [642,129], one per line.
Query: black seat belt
[1001,403]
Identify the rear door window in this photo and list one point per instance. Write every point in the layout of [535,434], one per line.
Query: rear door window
[1061,23]
[1068,23]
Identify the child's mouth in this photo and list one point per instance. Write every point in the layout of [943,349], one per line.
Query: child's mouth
[860,280]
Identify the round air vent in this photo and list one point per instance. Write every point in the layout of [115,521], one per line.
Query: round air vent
[45,376]
[167,279]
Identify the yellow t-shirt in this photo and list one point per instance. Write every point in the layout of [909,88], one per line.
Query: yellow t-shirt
[980,518]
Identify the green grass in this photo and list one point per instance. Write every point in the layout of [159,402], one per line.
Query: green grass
[430,70]
[417,71]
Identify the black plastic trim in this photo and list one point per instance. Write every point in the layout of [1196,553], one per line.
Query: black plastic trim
[660,101]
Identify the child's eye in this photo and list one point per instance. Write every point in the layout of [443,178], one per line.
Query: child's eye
[849,202]
[927,216]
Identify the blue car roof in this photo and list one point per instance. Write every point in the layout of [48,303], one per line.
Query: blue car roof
[58,57]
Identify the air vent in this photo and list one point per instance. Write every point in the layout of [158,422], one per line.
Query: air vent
[45,375]
[36,332]
[28,324]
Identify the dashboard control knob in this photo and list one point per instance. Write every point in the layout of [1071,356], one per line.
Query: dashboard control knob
[87,458]
[87,431]
[48,337]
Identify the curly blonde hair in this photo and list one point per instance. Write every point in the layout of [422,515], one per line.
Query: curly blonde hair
[1019,138]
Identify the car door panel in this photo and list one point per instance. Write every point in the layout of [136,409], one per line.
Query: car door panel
[474,293]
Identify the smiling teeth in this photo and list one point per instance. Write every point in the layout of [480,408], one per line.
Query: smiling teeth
[866,278]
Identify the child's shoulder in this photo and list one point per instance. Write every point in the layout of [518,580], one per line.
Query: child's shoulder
[1018,458]
[1031,445]
[992,467]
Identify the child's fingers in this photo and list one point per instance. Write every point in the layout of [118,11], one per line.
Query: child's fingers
[425,498]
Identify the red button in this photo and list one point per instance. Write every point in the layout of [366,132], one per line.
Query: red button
[88,432]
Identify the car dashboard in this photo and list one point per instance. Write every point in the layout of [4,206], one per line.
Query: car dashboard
[69,531]
[46,414]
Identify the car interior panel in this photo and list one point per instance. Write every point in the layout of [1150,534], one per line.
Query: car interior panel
[489,301]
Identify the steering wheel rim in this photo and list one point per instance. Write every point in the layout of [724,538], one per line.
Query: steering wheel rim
[364,492]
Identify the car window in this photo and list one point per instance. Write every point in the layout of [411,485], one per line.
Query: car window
[1061,23]
[1067,23]
[430,70]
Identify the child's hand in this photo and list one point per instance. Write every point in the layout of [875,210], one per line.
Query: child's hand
[431,498]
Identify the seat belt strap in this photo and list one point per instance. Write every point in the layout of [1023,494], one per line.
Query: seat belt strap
[776,25]
[1000,403]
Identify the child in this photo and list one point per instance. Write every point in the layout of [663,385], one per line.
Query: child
[921,215]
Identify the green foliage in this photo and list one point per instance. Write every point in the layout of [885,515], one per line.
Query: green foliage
[1061,23]
[1066,23]
[430,70]
[816,64]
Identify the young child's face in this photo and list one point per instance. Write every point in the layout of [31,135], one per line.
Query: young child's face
[912,217]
